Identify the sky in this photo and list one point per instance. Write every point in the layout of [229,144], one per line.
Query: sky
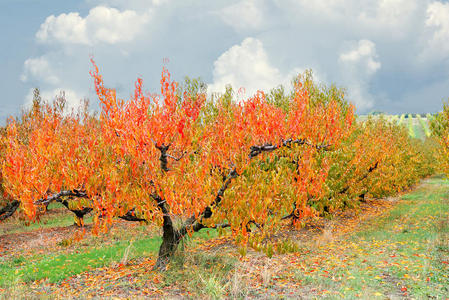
[390,55]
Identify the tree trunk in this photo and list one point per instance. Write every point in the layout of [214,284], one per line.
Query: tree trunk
[170,241]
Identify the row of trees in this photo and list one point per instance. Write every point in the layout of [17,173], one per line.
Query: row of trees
[439,126]
[183,158]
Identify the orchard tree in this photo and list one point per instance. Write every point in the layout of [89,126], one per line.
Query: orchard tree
[9,205]
[35,164]
[52,154]
[202,166]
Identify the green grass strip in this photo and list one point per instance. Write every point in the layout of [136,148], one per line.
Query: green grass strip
[47,220]
[411,131]
[402,254]
[424,126]
[56,267]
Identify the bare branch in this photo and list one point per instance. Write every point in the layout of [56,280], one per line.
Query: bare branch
[57,196]
[371,169]
[9,209]
[131,216]
[268,147]
[176,158]
[291,215]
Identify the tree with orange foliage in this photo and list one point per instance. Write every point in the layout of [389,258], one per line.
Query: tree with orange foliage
[54,155]
[35,164]
[9,205]
[203,167]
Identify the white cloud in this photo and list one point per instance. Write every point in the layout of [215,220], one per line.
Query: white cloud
[438,21]
[39,68]
[111,26]
[101,25]
[363,56]
[247,66]
[358,65]
[393,17]
[246,14]
[65,28]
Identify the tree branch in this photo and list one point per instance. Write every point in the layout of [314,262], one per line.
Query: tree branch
[268,147]
[131,216]
[176,158]
[371,169]
[57,196]
[291,215]
[78,212]
[9,209]
[208,210]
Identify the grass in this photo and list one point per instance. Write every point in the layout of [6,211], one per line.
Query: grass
[201,273]
[420,128]
[411,131]
[425,126]
[60,218]
[404,253]
[55,267]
